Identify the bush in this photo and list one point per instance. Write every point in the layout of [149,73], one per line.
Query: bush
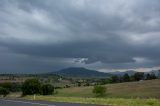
[4,91]
[12,87]
[6,85]
[99,90]
[31,86]
[16,87]
[47,89]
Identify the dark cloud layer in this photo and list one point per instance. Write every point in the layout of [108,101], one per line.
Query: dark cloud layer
[39,36]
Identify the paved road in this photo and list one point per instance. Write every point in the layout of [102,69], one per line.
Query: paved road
[14,102]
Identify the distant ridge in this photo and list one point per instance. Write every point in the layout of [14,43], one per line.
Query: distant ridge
[129,72]
[132,72]
[81,72]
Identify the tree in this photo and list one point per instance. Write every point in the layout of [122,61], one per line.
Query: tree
[47,89]
[115,79]
[4,91]
[126,77]
[153,76]
[138,76]
[79,84]
[31,86]
[148,77]
[99,90]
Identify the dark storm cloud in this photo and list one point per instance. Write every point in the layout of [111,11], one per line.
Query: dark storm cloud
[47,35]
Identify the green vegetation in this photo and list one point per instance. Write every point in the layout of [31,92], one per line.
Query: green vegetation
[31,86]
[99,90]
[4,92]
[126,90]
[140,89]
[102,101]
[126,78]
[142,93]
[138,76]
[6,88]
[47,89]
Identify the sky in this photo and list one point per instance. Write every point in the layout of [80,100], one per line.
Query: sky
[48,35]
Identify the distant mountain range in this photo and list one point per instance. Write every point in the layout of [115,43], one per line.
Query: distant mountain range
[81,72]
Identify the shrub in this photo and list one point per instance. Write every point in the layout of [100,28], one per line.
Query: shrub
[4,91]
[99,90]
[47,89]
[6,85]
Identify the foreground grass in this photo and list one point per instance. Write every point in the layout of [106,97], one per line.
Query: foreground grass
[101,101]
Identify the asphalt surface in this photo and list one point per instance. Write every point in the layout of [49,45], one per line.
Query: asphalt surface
[14,102]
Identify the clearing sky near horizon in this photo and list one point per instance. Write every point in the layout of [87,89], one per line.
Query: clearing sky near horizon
[48,35]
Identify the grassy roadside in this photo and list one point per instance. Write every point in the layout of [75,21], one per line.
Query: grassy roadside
[101,101]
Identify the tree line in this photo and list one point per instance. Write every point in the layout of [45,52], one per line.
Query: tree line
[127,78]
[34,86]
[29,87]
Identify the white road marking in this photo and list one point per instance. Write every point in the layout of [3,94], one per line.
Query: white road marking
[26,102]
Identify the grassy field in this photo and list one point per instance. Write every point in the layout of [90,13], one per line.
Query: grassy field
[141,89]
[143,93]
[101,101]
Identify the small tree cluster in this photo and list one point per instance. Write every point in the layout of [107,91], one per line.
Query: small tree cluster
[126,78]
[33,86]
[7,87]
[150,76]
[138,76]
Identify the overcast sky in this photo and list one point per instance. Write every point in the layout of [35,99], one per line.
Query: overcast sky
[48,35]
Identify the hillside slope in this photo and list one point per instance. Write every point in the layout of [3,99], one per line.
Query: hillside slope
[141,89]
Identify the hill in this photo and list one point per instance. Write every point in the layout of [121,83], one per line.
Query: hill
[81,72]
[140,89]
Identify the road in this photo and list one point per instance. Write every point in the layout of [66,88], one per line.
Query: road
[14,102]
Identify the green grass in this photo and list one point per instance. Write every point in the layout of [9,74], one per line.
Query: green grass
[141,89]
[143,93]
[101,101]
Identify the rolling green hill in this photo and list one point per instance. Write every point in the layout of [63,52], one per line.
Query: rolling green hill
[141,89]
